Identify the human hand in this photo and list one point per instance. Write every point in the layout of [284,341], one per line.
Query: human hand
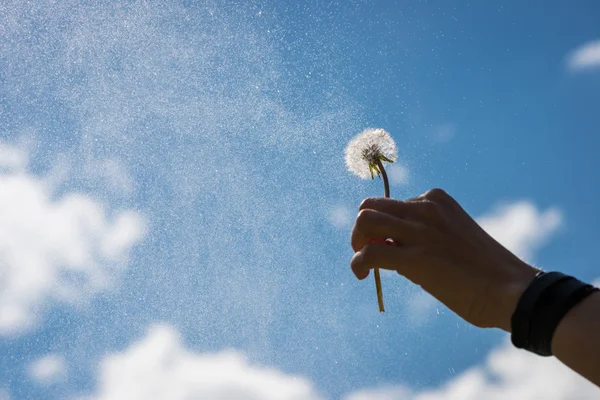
[441,248]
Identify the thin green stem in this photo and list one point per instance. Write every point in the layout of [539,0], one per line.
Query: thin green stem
[386,186]
[379,290]
[386,183]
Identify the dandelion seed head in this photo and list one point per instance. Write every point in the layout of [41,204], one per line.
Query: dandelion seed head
[368,147]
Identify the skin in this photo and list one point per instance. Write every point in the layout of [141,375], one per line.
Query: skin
[438,246]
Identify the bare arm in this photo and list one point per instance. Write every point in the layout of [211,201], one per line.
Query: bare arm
[576,341]
[441,248]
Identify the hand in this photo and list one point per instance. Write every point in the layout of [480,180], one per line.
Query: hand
[441,248]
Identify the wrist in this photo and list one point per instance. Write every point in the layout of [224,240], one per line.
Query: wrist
[510,293]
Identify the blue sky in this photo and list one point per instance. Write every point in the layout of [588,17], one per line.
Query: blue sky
[175,201]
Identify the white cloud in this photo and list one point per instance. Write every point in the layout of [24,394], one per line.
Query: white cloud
[158,367]
[586,56]
[391,392]
[398,174]
[48,369]
[508,373]
[54,249]
[341,217]
[521,227]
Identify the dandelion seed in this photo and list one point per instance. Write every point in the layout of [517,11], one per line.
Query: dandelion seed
[365,154]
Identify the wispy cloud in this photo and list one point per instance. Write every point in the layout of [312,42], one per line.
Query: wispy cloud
[398,174]
[586,56]
[48,369]
[521,227]
[113,173]
[159,367]
[54,249]
[341,217]
[13,158]
[507,373]
[420,307]
[444,133]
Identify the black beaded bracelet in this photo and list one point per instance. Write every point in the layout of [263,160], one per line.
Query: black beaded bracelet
[547,299]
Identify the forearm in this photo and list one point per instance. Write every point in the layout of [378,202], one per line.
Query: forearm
[576,341]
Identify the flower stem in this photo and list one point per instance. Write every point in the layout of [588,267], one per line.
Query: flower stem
[386,186]
[379,291]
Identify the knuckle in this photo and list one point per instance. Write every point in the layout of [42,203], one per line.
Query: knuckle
[366,203]
[430,209]
[436,194]
[363,217]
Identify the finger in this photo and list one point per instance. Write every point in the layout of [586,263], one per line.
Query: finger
[415,209]
[397,208]
[372,224]
[437,196]
[409,261]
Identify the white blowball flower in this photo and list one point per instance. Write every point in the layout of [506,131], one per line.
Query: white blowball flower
[367,149]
